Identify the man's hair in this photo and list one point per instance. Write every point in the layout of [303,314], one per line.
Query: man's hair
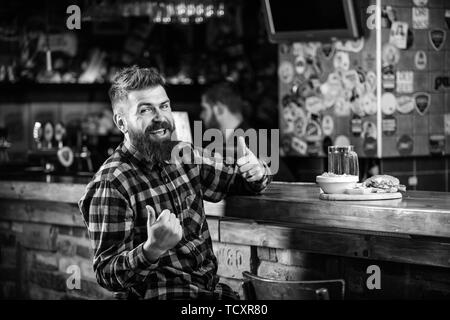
[132,78]
[227,94]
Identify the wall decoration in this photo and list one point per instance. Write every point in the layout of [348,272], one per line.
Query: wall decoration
[341,78]
[327,50]
[388,103]
[342,107]
[399,34]
[368,60]
[300,64]
[420,18]
[369,130]
[422,101]
[390,54]
[356,126]
[313,131]
[405,145]
[405,104]
[420,3]
[342,141]
[369,103]
[405,81]
[437,144]
[437,38]
[341,61]
[327,125]
[350,45]
[286,72]
[389,125]
[370,146]
[420,60]
[300,146]
[388,77]
[441,82]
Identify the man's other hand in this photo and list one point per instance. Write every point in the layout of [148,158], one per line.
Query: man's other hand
[163,233]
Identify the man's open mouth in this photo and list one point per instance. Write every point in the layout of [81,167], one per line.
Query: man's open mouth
[159,132]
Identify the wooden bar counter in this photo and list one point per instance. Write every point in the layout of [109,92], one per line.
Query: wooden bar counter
[284,233]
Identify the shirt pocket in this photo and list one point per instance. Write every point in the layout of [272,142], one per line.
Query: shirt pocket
[192,217]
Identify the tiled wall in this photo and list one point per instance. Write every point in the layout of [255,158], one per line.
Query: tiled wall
[304,130]
[416,126]
[322,87]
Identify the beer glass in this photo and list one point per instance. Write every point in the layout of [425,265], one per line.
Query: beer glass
[343,160]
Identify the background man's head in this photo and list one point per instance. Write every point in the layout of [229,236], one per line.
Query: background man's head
[142,109]
[222,106]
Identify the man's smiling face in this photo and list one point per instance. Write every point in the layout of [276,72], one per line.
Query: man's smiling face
[149,113]
[149,122]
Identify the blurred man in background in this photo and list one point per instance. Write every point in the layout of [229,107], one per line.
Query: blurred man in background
[223,108]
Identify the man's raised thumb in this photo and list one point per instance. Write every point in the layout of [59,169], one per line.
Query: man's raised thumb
[151,215]
[241,147]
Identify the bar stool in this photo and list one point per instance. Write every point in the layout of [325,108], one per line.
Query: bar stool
[259,288]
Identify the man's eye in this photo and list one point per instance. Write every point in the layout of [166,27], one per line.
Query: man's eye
[165,106]
[145,110]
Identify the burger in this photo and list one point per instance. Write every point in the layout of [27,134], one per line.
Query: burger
[383,183]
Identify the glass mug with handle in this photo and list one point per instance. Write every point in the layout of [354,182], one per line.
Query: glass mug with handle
[343,160]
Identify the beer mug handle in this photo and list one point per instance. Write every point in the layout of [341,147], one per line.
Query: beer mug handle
[354,169]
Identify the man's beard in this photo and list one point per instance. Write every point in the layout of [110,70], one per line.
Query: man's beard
[153,150]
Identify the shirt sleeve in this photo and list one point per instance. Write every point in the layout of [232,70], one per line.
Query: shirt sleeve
[118,264]
[220,179]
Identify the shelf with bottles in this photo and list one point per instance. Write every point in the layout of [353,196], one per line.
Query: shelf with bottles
[92,92]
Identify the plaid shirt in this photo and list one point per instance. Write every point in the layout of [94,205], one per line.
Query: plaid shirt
[113,208]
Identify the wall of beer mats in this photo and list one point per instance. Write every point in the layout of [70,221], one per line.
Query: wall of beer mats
[328,91]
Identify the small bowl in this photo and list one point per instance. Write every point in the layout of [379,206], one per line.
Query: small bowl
[336,184]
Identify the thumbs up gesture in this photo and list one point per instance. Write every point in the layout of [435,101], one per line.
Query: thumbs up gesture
[163,233]
[249,165]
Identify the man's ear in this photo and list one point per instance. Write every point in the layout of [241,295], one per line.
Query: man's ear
[219,109]
[120,122]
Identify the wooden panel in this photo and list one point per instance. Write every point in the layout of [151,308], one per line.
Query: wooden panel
[39,236]
[213,226]
[8,274]
[398,249]
[232,259]
[43,259]
[38,293]
[41,211]
[60,192]
[265,235]
[214,209]
[8,256]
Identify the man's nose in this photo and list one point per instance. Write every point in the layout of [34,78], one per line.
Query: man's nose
[158,116]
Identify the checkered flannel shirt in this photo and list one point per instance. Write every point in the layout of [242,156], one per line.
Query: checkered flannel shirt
[113,208]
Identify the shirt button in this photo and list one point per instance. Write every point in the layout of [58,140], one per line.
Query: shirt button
[166,180]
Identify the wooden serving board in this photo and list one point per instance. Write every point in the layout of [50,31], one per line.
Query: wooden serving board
[358,197]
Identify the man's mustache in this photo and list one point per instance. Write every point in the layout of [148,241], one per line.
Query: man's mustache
[158,126]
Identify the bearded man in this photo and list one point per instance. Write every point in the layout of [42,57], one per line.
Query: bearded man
[144,212]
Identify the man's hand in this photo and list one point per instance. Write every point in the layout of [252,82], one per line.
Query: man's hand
[249,165]
[163,234]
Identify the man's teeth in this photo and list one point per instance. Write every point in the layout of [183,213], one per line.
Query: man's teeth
[159,132]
